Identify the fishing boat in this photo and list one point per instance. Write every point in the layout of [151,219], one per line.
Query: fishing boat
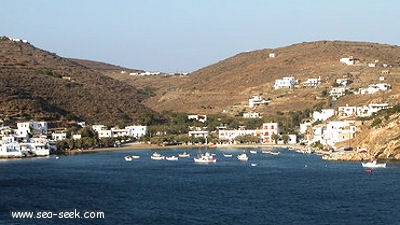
[135,156]
[171,158]
[373,164]
[205,158]
[243,157]
[228,155]
[157,156]
[271,152]
[253,151]
[184,155]
[128,158]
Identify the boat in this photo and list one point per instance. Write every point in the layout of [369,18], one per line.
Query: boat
[373,164]
[205,158]
[135,156]
[253,152]
[128,158]
[243,157]
[184,155]
[228,155]
[271,152]
[157,156]
[254,164]
[171,158]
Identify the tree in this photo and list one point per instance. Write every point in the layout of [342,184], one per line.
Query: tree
[285,138]
[275,138]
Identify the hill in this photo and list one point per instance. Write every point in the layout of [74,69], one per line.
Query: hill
[36,84]
[227,85]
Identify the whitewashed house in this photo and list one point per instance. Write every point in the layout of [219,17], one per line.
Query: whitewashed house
[136,131]
[59,136]
[285,82]
[312,82]
[102,131]
[347,110]
[304,126]
[257,100]
[343,82]
[272,55]
[251,115]
[31,128]
[323,115]
[366,111]
[198,118]
[198,133]
[265,133]
[9,147]
[373,88]
[333,132]
[337,92]
[348,61]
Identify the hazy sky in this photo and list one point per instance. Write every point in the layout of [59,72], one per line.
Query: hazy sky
[186,35]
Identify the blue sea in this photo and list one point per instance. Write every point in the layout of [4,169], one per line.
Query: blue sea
[289,188]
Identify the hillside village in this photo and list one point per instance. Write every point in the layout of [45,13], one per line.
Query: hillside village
[338,93]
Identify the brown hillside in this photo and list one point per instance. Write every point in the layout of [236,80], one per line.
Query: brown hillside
[228,84]
[37,84]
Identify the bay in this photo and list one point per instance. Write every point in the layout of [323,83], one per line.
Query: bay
[289,188]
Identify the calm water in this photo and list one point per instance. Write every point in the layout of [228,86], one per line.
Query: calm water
[289,188]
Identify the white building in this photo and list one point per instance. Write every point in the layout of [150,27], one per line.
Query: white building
[285,82]
[265,134]
[251,115]
[347,110]
[337,92]
[257,100]
[304,126]
[272,55]
[31,128]
[136,131]
[343,82]
[373,88]
[312,82]
[333,132]
[198,118]
[58,136]
[348,61]
[366,111]
[198,133]
[323,115]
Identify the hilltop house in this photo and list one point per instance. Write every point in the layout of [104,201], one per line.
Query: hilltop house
[349,61]
[366,111]
[337,92]
[251,115]
[373,88]
[312,82]
[285,82]
[343,82]
[323,115]
[257,100]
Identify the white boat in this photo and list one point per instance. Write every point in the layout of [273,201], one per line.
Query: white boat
[228,155]
[205,158]
[253,152]
[373,164]
[254,164]
[171,158]
[128,158]
[157,156]
[243,157]
[135,156]
[271,152]
[184,155]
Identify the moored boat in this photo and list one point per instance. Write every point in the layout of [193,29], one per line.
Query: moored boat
[128,158]
[243,157]
[171,158]
[373,164]
[253,152]
[184,155]
[205,158]
[228,155]
[157,156]
[135,156]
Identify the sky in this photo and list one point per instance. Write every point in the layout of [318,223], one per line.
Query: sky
[186,35]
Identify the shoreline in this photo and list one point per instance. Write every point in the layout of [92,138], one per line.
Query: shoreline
[144,146]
